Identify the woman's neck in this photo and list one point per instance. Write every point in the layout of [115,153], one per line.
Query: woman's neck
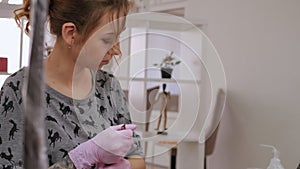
[63,74]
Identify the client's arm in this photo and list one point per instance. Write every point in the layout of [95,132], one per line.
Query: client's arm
[64,164]
[137,162]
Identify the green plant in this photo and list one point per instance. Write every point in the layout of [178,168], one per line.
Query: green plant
[168,61]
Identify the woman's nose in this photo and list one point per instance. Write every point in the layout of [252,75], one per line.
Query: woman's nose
[116,49]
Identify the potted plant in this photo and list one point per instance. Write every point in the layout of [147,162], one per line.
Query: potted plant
[167,64]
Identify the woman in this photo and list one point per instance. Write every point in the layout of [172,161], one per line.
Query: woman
[85,108]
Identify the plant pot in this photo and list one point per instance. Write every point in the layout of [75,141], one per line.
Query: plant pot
[166,72]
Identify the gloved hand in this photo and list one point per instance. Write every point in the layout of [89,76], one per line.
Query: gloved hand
[121,164]
[107,147]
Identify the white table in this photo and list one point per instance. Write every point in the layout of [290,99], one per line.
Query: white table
[190,153]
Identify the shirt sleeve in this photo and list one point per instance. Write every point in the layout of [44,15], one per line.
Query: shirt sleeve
[11,124]
[123,115]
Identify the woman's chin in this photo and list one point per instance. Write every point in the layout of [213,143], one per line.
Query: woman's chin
[100,66]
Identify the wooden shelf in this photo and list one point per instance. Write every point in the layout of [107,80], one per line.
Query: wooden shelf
[164,6]
[163,21]
[159,80]
[171,136]
[5,73]
[6,10]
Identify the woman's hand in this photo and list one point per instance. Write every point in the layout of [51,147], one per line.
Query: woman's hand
[107,147]
[115,141]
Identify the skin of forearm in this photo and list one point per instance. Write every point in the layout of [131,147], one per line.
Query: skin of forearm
[137,162]
[66,163]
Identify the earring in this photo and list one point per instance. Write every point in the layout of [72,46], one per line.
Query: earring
[72,41]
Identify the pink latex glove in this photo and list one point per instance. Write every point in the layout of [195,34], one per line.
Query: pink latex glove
[107,147]
[121,164]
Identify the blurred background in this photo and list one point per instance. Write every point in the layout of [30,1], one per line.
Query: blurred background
[258,45]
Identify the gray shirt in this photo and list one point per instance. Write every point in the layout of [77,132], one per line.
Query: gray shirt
[68,122]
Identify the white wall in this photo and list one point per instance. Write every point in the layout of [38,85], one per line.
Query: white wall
[259,44]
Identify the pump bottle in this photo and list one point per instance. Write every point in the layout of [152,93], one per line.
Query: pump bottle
[275,161]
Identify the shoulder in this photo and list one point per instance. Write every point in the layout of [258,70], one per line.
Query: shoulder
[18,75]
[12,87]
[16,79]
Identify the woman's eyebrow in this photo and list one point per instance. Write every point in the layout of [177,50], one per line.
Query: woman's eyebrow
[110,34]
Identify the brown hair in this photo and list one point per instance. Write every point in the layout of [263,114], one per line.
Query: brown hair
[85,14]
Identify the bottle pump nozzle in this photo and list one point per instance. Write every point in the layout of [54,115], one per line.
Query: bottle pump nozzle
[275,161]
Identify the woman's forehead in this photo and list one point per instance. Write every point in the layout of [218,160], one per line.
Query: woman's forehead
[111,27]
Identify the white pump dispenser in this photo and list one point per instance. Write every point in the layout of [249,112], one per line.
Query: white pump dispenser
[275,161]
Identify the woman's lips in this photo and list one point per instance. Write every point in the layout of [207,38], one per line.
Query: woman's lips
[105,61]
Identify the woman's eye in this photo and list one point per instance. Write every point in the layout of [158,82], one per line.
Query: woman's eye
[107,41]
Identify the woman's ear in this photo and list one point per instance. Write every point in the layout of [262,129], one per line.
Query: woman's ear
[69,32]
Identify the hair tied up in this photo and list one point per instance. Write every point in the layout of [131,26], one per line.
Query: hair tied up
[21,12]
[51,3]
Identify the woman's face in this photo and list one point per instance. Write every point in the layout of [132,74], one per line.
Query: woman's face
[101,46]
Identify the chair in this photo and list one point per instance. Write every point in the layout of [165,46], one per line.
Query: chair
[212,126]
[151,95]
[151,100]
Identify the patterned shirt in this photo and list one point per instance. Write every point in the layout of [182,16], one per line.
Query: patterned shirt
[68,122]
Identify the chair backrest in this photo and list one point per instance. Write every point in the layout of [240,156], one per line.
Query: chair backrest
[151,95]
[151,99]
[212,126]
